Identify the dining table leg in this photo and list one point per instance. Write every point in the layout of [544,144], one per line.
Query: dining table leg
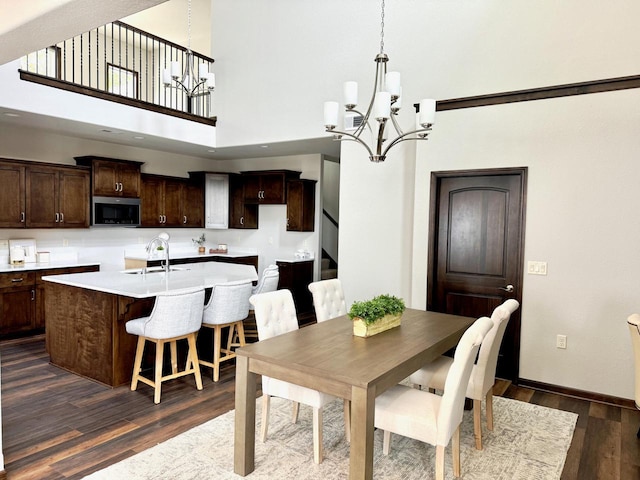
[362,429]
[245,419]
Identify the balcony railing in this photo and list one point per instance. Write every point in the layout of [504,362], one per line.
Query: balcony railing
[124,64]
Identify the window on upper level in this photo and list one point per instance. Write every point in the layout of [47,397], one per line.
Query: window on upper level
[122,81]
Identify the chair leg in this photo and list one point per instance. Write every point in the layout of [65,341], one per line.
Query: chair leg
[193,360]
[477,425]
[217,344]
[347,420]
[158,373]
[265,417]
[386,442]
[174,356]
[455,450]
[439,462]
[489,407]
[137,363]
[295,411]
[317,435]
[240,327]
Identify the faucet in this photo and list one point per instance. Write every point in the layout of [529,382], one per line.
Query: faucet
[163,241]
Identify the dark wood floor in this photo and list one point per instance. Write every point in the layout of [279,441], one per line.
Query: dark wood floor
[57,425]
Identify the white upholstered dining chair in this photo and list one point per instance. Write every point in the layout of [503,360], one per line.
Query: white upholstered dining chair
[227,307]
[176,315]
[268,282]
[483,375]
[328,299]
[634,330]
[275,315]
[428,417]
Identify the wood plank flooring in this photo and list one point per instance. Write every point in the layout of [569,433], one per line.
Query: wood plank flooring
[57,425]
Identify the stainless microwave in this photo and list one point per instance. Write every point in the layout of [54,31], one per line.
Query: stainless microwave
[115,211]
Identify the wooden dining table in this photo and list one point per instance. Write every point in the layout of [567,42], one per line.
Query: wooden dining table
[329,358]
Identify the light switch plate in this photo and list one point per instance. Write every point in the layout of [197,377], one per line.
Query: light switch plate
[536,268]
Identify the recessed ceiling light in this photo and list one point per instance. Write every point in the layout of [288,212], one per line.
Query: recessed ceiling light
[9,114]
[138,137]
[264,146]
[211,151]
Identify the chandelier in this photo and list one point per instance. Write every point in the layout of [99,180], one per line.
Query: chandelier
[192,85]
[384,105]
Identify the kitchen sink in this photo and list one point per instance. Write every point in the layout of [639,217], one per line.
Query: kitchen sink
[148,270]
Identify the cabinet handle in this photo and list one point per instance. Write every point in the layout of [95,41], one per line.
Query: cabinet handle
[33,294]
[116,189]
[61,217]
[159,218]
[22,217]
[241,220]
[121,188]
[16,280]
[185,219]
[57,217]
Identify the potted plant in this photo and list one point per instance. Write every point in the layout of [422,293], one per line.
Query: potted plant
[376,315]
[200,242]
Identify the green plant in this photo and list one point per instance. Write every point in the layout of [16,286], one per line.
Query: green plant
[199,241]
[376,308]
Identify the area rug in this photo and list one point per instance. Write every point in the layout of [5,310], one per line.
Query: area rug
[528,442]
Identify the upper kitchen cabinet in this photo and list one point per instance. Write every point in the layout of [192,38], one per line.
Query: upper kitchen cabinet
[268,187]
[301,205]
[12,195]
[37,195]
[241,214]
[171,202]
[112,177]
[216,194]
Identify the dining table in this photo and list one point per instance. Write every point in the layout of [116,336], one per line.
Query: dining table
[327,357]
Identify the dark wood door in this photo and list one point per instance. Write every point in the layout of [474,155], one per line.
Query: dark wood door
[192,205]
[12,196]
[129,178]
[42,197]
[74,199]
[151,201]
[172,203]
[476,249]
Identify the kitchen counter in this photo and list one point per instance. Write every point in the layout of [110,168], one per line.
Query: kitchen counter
[26,267]
[139,253]
[131,283]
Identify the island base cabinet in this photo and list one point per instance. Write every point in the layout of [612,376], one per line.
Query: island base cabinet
[85,332]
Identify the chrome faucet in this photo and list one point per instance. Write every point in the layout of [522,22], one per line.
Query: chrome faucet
[163,241]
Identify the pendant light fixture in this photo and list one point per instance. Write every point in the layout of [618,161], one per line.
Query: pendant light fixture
[385,104]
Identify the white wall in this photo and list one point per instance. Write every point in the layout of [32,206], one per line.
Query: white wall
[271,88]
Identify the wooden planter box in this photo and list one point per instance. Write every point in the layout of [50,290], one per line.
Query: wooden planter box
[360,329]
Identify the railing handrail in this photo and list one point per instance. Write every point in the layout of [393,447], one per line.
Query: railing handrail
[331,219]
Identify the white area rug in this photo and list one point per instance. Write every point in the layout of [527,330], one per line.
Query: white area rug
[528,442]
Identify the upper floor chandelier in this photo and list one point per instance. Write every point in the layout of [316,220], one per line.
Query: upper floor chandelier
[385,104]
[193,85]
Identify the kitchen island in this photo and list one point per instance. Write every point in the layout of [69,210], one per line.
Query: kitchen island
[86,313]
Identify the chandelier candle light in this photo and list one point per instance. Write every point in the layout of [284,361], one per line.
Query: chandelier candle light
[192,84]
[385,104]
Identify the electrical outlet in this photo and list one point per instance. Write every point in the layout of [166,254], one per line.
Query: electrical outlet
[537,268]
[561,341]
[4,243]
[65,242]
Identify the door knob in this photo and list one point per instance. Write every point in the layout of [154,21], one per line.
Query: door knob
[508,288]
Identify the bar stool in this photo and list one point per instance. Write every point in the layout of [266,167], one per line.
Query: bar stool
[176,315]
[228,306]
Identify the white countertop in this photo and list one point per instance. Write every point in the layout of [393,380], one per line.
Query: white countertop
[141,254]
[293,259]
[25,267]
[136,285]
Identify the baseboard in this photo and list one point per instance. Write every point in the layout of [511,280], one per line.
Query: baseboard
[581,394]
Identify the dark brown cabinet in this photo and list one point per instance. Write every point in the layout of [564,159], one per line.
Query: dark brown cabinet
[39,195]
[268,187]
[12,195]
[57,197]
[171,202]
[301,205]
[112,177]
[17,302]
[241,214]
[296,276]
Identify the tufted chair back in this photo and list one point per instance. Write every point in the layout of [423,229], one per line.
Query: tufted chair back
[175,313]
[634,329]
[328,299]
[275,313]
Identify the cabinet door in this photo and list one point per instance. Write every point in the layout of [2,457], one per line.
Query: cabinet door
[241,215]
[74,199]
[151,202]
[17,308]
[173,203]
[12,196]
[192,205]
[129,178]
[217,201]
[296,276]
[301,195]
[42,197]
[105,178]
[273,188]
[252,188]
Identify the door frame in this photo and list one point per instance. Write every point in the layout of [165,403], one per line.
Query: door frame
[434,193]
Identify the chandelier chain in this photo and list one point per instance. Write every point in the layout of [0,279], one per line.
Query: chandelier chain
[189,25]
[382,28]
